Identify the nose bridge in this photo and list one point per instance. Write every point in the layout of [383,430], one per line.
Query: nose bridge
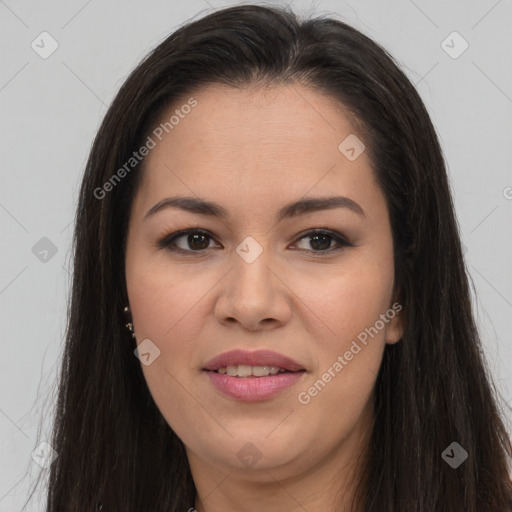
[252,276]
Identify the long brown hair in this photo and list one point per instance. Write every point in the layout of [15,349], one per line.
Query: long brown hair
[115,451]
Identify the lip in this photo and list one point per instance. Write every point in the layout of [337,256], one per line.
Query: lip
[256,358]
[253,389]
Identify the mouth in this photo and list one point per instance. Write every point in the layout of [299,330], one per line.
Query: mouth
[244,371]
[244,363]
[252,376]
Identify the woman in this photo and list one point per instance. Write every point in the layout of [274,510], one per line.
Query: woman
[270,308]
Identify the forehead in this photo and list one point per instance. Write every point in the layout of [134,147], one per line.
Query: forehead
[265,141]
[282,119]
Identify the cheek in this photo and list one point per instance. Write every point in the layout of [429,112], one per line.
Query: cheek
[350,352]
[347,303]
[349,356]
[167,309]
[165,299]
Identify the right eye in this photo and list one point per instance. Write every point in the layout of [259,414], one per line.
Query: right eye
[196,239]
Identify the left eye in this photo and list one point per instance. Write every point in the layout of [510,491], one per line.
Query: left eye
[198,240]
[321,240]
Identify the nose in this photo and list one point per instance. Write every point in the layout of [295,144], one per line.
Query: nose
[254,295]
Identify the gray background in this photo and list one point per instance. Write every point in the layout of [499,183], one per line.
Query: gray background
[51,109]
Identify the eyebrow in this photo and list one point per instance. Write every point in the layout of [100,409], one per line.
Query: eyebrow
[300,207]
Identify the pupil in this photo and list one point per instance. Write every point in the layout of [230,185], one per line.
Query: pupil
[194,238]
[325,238]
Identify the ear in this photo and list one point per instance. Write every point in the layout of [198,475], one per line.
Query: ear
[396,324]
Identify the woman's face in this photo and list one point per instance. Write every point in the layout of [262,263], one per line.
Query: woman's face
[253,279]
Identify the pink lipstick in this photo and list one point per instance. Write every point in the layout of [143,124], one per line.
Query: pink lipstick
[253,376]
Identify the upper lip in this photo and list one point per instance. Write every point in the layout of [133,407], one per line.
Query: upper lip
[256,358]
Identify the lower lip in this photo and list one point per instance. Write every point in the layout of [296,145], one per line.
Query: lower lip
[253,389]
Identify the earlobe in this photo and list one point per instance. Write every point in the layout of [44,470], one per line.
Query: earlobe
[396,326]
[395,329]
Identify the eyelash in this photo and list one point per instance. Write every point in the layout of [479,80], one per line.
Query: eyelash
[168,241]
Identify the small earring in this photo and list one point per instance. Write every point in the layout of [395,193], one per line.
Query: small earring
[129,325]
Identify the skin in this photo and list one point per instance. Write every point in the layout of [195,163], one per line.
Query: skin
[253,151]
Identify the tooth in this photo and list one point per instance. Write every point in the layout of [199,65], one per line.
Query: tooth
[260,371]
[232,370]
[244,370]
